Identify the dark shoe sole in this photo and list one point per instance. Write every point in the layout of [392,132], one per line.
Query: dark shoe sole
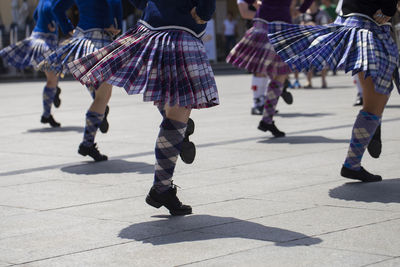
[188,152]
[57,100]
[105,158]
[375,148]
[157,205]
[287,97]
[347,173]
[104,124]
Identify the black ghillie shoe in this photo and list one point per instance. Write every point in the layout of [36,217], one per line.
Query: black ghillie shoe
[287,97]
[188,149]
[375,145]
[262,126]
[169,200]
[91,151]
[51,121]
[359,101]
[361,175]
[104,124]
[257,110]
[57,100]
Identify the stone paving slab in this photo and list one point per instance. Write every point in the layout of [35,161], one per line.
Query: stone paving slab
[257,200]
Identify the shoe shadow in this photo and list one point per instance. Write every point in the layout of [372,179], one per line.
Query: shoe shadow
[392,106]
[303,140]
[387,191]
[110,166]
[207,227]
[58,129]
[308,115]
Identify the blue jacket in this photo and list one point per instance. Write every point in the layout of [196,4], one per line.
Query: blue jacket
[92,14]
[44,16]
[162,13]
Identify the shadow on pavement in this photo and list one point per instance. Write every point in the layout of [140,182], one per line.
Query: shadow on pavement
[110,166]
[59,129]
[308,115]
[218,227]
[303,140]
[392,106]
[387,191]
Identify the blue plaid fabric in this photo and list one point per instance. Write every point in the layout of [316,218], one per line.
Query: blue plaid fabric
[30,51]
[82,43]
[168,66]
[354,44]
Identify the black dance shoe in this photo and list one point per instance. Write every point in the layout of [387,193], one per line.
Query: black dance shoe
[375,145]
[104,124]
[57,100]
[262,126]
[287,96]
[50,120]
[92,151]
[169,200]
[359,101]
[257,110]
[188,149]
[361,175]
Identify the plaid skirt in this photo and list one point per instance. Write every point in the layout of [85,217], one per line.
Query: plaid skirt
[354,44]
[255,53]
[167,66]
[82,43]
[30,51]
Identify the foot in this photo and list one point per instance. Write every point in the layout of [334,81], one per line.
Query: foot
[169,200]
[308,86]
[104,124]
[375,145]
[359,101]
[57,100]
[51,121]
[188,150]
[287,97]
[361,175]
[257,110]
[324,85]
[296,84]
[263,126]
[92,151]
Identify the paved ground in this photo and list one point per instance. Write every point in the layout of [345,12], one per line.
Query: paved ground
[257,201]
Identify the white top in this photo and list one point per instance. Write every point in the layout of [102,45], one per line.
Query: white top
[240,1]
[229,27]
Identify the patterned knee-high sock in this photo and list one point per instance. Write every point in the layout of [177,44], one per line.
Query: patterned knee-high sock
[273,93]
[363,130]
[168,147]
[258,85]
[93,121]
[48,98]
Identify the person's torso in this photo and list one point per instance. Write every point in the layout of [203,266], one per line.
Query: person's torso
[45,17]
[166,13]
[275,10]
[366,7]
[229,27]
[94,14]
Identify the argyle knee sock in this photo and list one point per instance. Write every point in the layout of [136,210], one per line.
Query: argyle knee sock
[168,147]
[274,91]
[259,86]
[48,98]
[363,130]
[93,121]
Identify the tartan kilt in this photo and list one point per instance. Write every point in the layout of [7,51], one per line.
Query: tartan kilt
[166,66]
[255,53]
[82,43]
[354,44]
[30,51]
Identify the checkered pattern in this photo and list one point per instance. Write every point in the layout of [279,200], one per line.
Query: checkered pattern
[255,53]
[30,51]
[363,130]
[168,147]
[274,91]
[81,44]
[352,44]
[93,121]
[168,66]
